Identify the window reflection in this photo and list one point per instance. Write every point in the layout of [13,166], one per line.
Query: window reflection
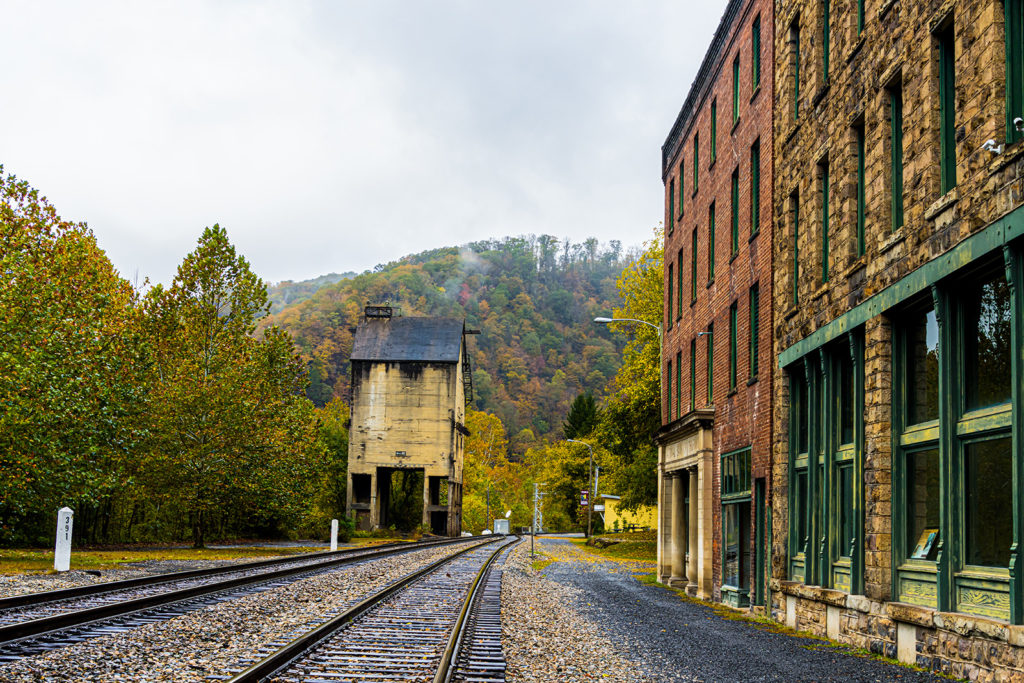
[922,368]
[987,344]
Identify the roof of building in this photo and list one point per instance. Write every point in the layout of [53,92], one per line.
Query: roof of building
[424,340]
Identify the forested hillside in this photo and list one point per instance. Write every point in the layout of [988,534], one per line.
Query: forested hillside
[288,292]
[532,298]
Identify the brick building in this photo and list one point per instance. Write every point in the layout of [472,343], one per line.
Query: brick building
[714,460]
[898,492]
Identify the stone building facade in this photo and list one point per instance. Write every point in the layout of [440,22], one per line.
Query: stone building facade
[898,313]
[714,477]
[410,383]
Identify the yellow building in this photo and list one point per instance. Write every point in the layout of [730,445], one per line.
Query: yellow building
[645,517]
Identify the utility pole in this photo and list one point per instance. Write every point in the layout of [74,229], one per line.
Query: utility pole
[593,493]
[487,519]
[536,514]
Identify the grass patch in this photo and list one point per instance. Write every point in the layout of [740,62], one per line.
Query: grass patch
[541,562]
[626,550]
[21,561]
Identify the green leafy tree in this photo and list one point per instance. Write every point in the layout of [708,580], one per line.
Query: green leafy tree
[632,414]
[582,417]
[70,356]
[233,434]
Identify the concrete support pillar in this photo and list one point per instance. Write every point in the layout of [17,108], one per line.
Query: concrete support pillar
[691,536]
[678,533]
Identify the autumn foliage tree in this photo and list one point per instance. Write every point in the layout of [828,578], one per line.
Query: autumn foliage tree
[71,384]
[232,433]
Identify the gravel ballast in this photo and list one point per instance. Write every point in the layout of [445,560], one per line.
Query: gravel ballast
[208,641]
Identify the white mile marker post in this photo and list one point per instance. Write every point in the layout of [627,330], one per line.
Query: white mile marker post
[62,553]
[334,534]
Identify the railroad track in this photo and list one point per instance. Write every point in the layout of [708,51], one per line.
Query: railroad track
[35,623]
[440,624]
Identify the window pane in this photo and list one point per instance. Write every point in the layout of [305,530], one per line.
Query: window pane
[846,525]
[922,525]
[801,416]
[801,511]
[923,368]
[846,397]
[731,532]
[987,344]
[988,504]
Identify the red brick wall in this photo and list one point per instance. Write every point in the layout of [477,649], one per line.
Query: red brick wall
[742,418]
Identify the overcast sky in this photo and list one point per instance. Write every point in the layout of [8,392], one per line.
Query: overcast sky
[335,135]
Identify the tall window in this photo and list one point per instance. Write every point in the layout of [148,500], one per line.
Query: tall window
[693,268]
[733,333]
[682,178]
[794,44]
[794,210]
[679,284]
[799,452]
[860,17]
[735,495]
[711,243]
[714,131]
[696,162]
[671,220]
[755,188]
[896,155]
[735,212]
[755,327]
[710,334]
[1014,34]
[858,135]
[679,383]
[823,176]
[671,288]
[735,90]
[826,36]
[947,106]
[755,54]
[668,391]
[693,373]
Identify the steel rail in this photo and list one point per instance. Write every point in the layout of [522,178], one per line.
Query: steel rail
[449,660]
[293,650]
[24,599]
[36,627]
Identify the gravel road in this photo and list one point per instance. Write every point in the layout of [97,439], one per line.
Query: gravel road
[675,640]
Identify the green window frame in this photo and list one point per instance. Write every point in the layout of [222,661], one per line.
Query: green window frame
[735,234]
[755,54]
[799,536]
[693,374]
[682,182]
[693,268]
[710,334]
[711,243]
[735,494]
[679,383]
[794,41]
[733,334]
[860,17]
[794,208]
[957,444]
[668,392]
[861,183]
[947,108]
[826,36]
[696,162]
[714,132]
[736,90]
[671,289]
[896,156]
[755,328]
[679,283]
[1014,37]
[671,222]
[755,187]
[824,181]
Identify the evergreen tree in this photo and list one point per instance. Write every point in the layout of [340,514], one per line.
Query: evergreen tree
[582,417]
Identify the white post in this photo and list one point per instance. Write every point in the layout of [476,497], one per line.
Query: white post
[334,534]
[62,552]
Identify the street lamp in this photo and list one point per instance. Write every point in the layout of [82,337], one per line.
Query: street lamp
[590,501]
[657,328]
